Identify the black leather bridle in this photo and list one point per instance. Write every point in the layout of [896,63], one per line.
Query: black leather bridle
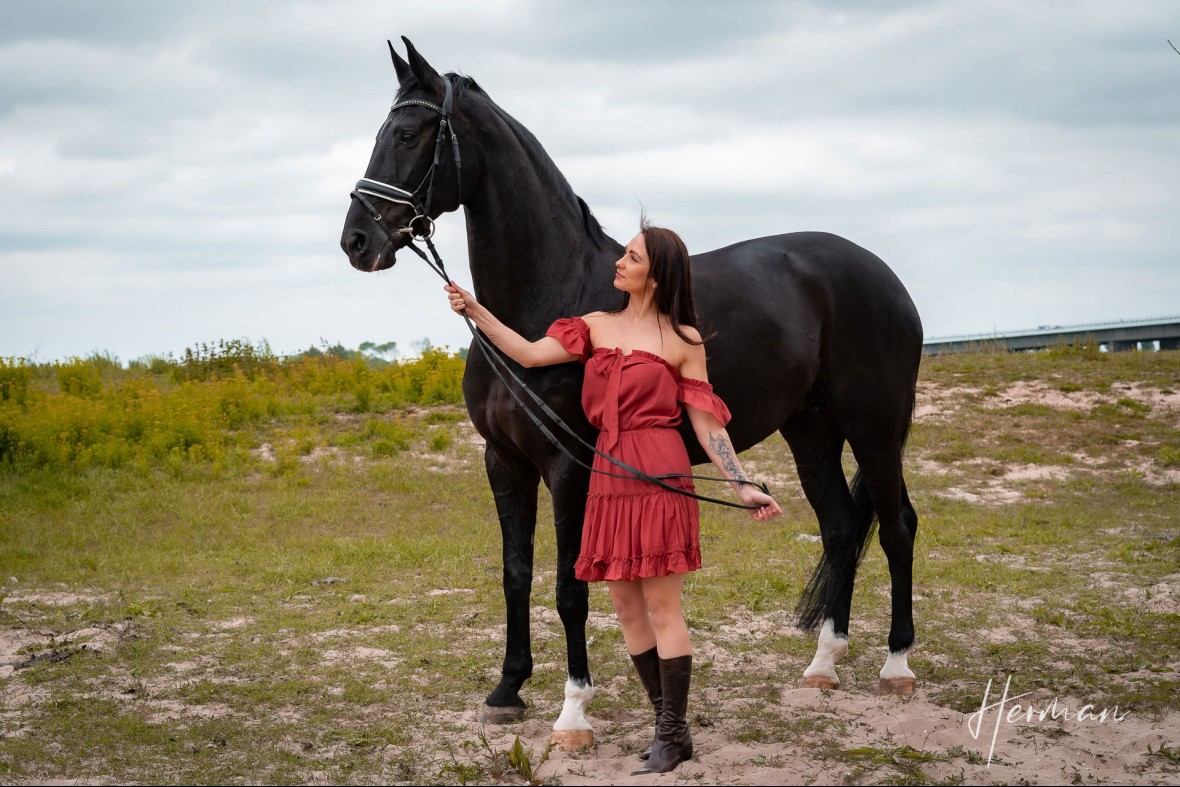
[367,187]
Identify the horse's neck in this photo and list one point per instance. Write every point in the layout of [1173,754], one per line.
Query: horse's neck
[532,259]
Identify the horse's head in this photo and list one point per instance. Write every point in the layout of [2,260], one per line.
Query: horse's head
[415,173]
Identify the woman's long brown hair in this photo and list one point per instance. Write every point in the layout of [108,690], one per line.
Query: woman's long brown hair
[672,275]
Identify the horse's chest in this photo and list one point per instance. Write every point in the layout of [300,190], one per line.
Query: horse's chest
[504,419]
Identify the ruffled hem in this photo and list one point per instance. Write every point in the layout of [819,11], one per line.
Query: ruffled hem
[651,533]
[574,335]
[699,394]
[600,569]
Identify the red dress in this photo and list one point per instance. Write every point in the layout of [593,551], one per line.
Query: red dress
[635,529]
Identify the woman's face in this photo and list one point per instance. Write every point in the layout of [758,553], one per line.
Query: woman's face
[633,270]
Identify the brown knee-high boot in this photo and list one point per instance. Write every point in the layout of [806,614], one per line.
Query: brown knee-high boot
[647,664]
[673,743]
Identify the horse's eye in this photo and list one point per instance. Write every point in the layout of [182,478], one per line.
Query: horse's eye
[406,137]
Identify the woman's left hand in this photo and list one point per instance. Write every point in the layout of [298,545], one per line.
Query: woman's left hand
[767,508]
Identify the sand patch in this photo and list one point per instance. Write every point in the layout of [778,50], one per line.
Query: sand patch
[64,598]
[1037,392]
[379,656]
[938,403]
[994,493]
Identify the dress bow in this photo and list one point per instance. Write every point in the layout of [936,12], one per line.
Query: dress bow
[610,365]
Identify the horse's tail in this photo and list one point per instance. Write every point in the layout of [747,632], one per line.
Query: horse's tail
[815,602]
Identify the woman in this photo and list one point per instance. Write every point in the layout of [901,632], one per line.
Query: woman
[642,362]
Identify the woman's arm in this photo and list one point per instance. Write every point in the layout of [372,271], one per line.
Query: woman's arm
[715,440]
[546,351]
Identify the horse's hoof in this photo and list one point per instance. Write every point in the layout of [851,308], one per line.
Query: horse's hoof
[500,714]
[820,682]
[903,687]
[572,740]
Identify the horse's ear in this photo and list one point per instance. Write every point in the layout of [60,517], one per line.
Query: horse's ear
[402,68]
[425,74]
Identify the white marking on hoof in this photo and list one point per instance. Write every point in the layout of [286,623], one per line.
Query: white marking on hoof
[821,674]
[896,675]
[572,729]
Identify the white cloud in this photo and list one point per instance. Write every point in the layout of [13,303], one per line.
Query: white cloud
[171,175]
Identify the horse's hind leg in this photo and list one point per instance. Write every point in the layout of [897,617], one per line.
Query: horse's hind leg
[514,484]
[882,474]
[896,676]
[816,444]
[567,484]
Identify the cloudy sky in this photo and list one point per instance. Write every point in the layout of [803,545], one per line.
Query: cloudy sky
[176,173]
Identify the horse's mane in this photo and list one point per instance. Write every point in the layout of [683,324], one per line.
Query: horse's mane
[593,229]
[462,83]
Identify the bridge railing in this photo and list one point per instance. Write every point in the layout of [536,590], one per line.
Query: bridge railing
[1147,334]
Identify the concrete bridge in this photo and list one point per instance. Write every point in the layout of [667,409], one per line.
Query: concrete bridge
[1112,336]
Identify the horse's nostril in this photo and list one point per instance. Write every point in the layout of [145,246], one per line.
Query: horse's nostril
[357,242]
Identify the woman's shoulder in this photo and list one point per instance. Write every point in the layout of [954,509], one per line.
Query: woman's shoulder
[596,322]
[687,341]
[689,356]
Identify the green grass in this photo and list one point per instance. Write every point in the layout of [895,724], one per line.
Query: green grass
[333,605]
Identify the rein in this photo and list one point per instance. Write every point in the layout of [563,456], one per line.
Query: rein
[367,187]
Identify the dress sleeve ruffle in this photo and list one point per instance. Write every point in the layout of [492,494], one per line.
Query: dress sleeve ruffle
[699,394]
[574,335]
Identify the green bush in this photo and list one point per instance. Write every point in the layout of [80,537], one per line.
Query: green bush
[440,440]
[15,376]
[225,359]
[79,378]
[93,412]
[1086,348]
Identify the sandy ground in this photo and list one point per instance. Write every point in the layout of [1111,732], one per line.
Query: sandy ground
[946,746]
[848,735]
[843,736]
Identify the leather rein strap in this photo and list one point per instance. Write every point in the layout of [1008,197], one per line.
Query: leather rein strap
[367,187]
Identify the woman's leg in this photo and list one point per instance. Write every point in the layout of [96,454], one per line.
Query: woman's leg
[673,741]
[662,601]
[631,610]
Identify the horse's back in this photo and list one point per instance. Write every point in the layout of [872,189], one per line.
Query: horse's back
[831,272]
[804,317]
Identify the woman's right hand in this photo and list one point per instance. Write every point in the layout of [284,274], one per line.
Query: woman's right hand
[767,509]
[461,299]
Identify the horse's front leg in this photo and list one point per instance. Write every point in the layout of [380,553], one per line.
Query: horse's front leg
[514,485]
[568,484]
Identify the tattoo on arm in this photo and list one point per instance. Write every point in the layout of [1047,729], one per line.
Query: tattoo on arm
[719,444]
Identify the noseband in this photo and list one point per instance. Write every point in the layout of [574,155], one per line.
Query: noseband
[421,226]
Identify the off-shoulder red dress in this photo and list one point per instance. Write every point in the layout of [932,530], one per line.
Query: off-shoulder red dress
[635,529]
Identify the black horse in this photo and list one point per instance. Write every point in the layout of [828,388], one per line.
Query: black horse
[814,337]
